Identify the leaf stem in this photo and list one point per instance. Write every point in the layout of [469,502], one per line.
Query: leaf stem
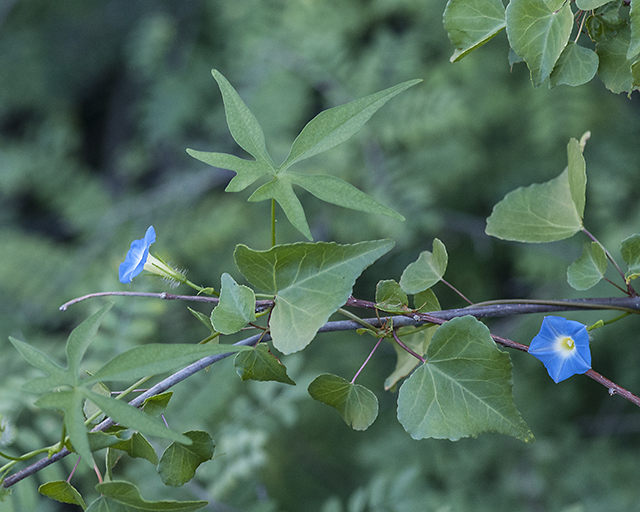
[414,354]
[366,360]
[630,290]
[456,290]
[273,222]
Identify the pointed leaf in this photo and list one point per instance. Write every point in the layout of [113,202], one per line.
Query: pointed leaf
[58,376]
[155,358]
[138,447]
[310,282]
[576,66]
[70,402]
[237,307]
[357,405]
[630,250]
[101,440]
[81,337]
[178,463]
[89,408]
[336,191]
[577,169]
[471,23]
[390,297]
[427,270]
[203,319]
[157,404]
[247,171]
[538,34]
[132,418]
[335,125]
[464,388]
[243,125]
[281,190]
[426,301]
[125,497]
[62,491]
[260,364]
[589,268]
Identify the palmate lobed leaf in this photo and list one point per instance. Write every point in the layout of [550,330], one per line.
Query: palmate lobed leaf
[589,268]
[544,212]
[464,388]
[357,405]
[310,282]
[118,496]
[472,23]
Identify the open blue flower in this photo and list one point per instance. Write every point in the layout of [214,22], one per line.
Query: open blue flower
[137,256]
[563,347]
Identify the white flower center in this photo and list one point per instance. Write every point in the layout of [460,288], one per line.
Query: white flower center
[566,343]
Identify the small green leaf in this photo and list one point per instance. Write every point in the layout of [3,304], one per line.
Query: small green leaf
[391,298]
[336,191]
[138,447]
[630,250]
[426,301]
[589,268]
[62,491]
[538,34]
[81,337]
[357,405]
[335,125]
[426,271]
[155,358]
[464,389]
[544,212]
[129,416]
[203,319]
[101,440]
[237,307]
[243,125]
[417,339]
[309,281]
[178,463]
[120,496]
[471,23]
[260,364]
[157,404]
[576,66]
[89,408]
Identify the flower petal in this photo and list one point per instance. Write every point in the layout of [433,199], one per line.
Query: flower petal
[136,257]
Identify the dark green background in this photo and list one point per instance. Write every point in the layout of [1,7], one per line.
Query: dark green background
[98,101]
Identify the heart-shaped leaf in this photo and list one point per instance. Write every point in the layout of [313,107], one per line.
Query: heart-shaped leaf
[237,307]
[427,270]
[589,268]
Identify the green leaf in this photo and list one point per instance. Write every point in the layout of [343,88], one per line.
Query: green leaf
[615,67]
[427,270]
[589,268]
[634,24]
[260,364]
[426,301]
[133,418]
[589,5]
[156,358]
[544,212]
[280,189]
[70,402]
[138,447]
[125,497]
[309,281]
[243,125]
[630,250]
[58,376]
[178,463]
[336,191]
[335,125]
[89,408]
[391,298]
[417,339]
[576,66]
[81,337]
[203,319]
[357,405]
[471,23]
[464,388]
[101,440]
[157,404]
[237,307]
[62,491]
[538,34]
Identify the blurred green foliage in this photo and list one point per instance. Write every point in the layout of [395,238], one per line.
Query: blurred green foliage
[98,101]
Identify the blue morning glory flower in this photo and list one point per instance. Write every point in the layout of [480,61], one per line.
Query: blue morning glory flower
[136,257]
[563,347]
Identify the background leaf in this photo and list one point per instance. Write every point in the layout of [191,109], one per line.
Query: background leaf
[81,337]
[464,388]
[417,339]
[120,496]
[615,66]
[309,281]
[427,270]
[63,491]
[260,364]
[178,463]
[630,251]
[589,268]
[237,307]
[357,405]
[138,447]
[471,23]
[538,34]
